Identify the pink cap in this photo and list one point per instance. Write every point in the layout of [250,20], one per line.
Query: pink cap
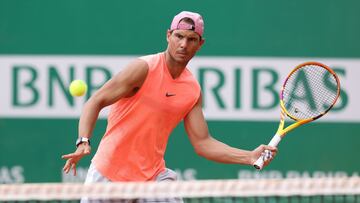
[198,22]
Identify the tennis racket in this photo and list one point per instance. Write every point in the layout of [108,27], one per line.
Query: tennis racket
[308,93]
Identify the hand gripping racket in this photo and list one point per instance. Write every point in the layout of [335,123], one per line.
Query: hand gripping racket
[308,93]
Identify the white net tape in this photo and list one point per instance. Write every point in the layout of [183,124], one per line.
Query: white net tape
[185,189]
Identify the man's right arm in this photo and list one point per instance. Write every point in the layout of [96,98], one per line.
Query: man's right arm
[124,84]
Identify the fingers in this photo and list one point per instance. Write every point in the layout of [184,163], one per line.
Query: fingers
[74,168]
[67,166]
[68,156]
[271,149]
[73,158]
[267,153]
[81,151]
[70,164]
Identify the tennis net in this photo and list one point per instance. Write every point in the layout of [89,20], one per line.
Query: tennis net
[344,189]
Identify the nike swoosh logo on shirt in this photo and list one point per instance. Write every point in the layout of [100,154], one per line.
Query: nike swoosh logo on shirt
[169,94]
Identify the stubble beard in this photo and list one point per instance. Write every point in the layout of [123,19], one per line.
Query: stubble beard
[180,62]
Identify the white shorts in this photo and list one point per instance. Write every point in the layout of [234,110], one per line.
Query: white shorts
[94,176]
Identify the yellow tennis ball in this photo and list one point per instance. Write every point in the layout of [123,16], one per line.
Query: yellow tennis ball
[77,88]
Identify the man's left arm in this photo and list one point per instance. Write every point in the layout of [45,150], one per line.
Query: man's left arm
[208,147]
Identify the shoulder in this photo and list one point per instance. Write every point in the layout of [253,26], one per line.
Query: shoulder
[138,64]
[134,72]
[153,60]
[150,57]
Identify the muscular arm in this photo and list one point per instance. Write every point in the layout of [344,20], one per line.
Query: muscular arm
[124,84]
[205,145]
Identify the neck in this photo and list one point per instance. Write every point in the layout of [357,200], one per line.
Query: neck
[175,68]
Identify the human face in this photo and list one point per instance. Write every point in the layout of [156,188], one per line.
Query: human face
[183,44]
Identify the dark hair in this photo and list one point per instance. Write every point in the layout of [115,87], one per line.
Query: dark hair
[188,21]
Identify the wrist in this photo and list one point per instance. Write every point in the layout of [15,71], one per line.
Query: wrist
[81,140]
[251,158]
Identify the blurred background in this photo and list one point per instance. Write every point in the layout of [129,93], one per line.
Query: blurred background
[250,47]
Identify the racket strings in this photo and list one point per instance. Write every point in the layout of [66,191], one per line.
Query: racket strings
[309,92]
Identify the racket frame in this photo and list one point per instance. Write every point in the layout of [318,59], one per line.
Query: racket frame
[281,131]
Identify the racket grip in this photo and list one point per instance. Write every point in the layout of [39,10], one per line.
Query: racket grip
[260,162]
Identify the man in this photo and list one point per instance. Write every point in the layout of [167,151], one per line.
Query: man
[149,98]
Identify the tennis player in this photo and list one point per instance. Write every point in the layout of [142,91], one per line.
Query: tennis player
[148,100]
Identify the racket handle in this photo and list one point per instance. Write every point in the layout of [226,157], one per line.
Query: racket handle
[274,142]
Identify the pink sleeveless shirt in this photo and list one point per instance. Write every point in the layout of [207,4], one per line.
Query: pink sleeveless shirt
[138,129]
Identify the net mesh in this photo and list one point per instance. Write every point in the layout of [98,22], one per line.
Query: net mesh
[309,92]
[345,189]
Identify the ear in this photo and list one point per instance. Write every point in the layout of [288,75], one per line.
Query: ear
[202,41]
[168,33]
